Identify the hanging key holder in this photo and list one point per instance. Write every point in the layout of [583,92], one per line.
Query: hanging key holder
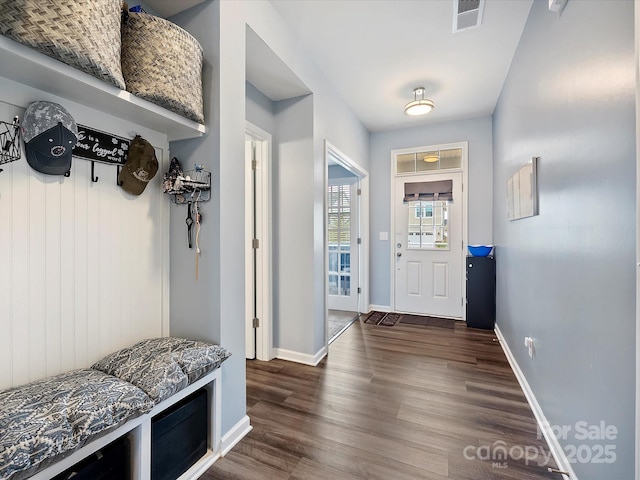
[190,188]
[191,184]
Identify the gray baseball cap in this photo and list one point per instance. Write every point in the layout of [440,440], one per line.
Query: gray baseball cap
[49,133]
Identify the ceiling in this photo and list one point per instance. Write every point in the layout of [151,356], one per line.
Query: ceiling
[375,52]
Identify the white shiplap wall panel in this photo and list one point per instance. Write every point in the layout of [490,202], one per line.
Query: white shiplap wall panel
[67,263]
[80,266]
[85,265]
[36,261]
[6,261]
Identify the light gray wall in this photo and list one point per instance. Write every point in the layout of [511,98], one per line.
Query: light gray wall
[290,123]
[212,308]
[479,135]
[337,171]
[260,109]
[293,225]
[567,277]
[331,120]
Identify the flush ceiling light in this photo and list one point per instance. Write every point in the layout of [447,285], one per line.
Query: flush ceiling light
[419,106]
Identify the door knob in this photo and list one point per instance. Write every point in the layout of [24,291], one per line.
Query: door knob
[399,254]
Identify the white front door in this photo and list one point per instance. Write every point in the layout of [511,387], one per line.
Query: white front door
[342,234]
[427,249]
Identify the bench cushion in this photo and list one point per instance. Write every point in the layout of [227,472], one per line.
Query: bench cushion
[163,366]
[57,415]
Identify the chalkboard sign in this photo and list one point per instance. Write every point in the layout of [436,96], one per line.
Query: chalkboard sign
[98,146]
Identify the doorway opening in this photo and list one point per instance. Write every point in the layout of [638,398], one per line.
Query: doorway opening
[345,241]
[429,219]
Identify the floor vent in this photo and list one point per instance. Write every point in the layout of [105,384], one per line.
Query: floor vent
[467,14]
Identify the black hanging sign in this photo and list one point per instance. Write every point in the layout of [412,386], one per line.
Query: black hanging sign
[98,146]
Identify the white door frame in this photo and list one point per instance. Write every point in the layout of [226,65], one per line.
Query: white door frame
[637,59]
[363,207]
[465,213]
[264,332]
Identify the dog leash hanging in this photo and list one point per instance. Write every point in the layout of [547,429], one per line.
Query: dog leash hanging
[198,220]
[189,222]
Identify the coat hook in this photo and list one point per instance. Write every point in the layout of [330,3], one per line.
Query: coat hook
[118,182]
[93,177]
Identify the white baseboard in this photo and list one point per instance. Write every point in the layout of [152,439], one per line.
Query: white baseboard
[298,357]
[235,434]
[543,424]
[201,466]
[379,308]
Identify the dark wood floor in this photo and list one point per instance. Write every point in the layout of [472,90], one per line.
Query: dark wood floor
[389,403]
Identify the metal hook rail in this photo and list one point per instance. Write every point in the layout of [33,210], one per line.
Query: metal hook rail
[192,186]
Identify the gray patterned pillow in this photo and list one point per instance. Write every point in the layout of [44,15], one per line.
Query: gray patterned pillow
[163,366]
[57,415]
[200,359]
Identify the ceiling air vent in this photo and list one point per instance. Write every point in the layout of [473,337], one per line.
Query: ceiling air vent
[467,14]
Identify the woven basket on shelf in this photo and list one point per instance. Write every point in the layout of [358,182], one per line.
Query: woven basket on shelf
[162,63]
[82,33]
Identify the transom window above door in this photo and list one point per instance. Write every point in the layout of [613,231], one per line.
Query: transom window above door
[429,161]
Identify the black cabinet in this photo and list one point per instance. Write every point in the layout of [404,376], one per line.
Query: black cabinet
[179,437]
[481,292]
[109,463]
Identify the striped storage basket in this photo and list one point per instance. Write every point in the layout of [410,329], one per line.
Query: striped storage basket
[162,63]
[82,33]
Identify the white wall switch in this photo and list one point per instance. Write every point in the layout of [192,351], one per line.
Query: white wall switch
[384,235]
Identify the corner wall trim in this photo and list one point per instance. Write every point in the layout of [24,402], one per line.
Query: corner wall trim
[235,434]
[298,357]
[543,424]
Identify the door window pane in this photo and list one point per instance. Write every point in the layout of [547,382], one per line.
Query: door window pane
[333,284]
[451,158]
[427,161]
[428,225]
[406,163]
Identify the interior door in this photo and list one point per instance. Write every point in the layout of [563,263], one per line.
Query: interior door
[427,249]
[342,234]
[250,264]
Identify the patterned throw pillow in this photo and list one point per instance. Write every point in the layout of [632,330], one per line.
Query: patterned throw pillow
[57,415]
[163,366]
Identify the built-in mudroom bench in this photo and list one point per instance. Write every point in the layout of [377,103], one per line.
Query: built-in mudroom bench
[150,411]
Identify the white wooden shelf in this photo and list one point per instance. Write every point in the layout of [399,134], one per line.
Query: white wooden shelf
[29,67]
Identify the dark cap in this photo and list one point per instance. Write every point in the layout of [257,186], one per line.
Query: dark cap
[140,168]
[50,133]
